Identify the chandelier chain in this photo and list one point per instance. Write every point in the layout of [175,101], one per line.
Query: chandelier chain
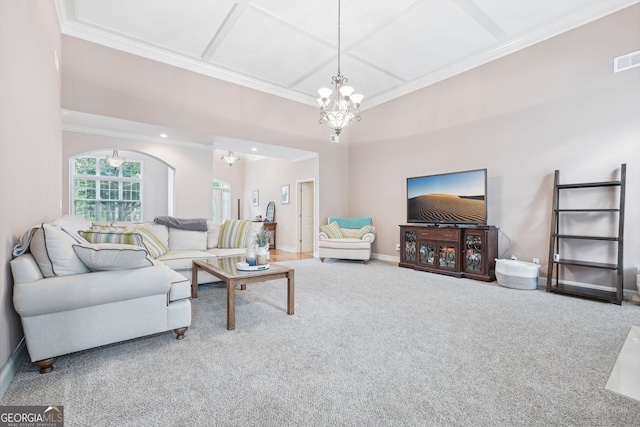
[338,37]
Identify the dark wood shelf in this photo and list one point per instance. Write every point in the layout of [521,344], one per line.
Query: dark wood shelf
[575,236]
[602,265]
[590,185]
[583,292]
[587,210]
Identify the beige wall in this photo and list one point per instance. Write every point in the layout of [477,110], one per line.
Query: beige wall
[103,81]
[30,142]
[555,105]
[268,175]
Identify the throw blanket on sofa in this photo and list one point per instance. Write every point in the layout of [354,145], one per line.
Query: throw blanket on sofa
[22,246]
[191,224]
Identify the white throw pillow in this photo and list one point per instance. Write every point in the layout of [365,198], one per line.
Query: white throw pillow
[112,256]
[183,240]
[213,234]
[73,225]
[52,248]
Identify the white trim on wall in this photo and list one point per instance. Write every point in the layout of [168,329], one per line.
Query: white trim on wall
[10,369]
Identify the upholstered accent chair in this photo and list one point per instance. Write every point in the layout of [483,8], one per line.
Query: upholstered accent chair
[346,238]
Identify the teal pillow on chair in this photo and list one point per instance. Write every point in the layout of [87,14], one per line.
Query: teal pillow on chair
[351,222]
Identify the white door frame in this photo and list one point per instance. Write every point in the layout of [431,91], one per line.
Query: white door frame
[299,213]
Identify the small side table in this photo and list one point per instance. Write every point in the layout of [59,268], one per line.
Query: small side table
[271,226]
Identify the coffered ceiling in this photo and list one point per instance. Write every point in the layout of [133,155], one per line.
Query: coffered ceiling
[289,47]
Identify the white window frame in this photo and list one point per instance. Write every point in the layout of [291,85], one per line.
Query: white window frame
[98,178]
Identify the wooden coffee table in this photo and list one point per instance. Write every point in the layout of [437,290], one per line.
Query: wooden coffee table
[224,268]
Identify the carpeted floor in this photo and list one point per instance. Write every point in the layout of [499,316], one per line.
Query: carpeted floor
[369,345]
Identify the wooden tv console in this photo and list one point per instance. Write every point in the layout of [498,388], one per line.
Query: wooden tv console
[459,251]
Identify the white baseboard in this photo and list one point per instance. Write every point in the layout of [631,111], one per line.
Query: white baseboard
[627,294]
[9,370]
[389,258]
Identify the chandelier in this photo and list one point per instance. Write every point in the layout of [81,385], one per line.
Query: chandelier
[343,109]
[230,158]
[114,160]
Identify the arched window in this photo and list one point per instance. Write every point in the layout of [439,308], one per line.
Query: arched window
[100,192]
[220,201]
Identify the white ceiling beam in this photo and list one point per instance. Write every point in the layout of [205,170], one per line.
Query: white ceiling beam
[227,25]
[481,18]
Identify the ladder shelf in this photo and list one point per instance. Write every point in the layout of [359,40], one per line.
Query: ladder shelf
[556,264]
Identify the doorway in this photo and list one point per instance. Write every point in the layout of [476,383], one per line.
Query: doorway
[306,216]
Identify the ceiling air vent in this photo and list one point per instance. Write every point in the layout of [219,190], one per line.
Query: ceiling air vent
[627,61]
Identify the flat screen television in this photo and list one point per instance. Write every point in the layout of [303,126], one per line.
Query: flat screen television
[449,198]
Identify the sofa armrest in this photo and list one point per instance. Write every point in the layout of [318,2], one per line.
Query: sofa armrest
[323,236]
[56,294]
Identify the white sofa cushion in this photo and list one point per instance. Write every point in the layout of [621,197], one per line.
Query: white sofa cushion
[213,234]
[180,286]
[112,256]
[344,243]
[227,252]
[181,260]
[183,240]
[52,248]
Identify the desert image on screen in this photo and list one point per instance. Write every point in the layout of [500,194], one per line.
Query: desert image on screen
[446,208]
[450,198]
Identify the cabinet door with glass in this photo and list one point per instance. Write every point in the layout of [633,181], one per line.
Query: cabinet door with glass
[408,246]
[427,251]
[447,256]
[473,250]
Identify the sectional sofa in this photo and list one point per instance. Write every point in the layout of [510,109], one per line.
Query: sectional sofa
[79,285]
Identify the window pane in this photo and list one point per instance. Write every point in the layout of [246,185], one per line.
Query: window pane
[132,170]
[85,166]
[129,211]
[85,189]
[109,190]
[130,191]
[106,170]
[85,209]
[108,211]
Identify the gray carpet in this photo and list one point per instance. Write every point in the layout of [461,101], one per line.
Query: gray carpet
[369,345]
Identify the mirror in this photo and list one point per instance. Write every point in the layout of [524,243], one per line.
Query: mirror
[271,212]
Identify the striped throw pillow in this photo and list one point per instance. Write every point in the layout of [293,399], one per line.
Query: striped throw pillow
[233,234]
[128,238]
[154,245]
[332,230]
[365,230]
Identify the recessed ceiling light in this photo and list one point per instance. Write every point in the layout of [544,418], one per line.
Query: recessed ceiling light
[163,135]
[254,149]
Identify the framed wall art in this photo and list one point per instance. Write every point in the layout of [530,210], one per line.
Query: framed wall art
[285,194]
